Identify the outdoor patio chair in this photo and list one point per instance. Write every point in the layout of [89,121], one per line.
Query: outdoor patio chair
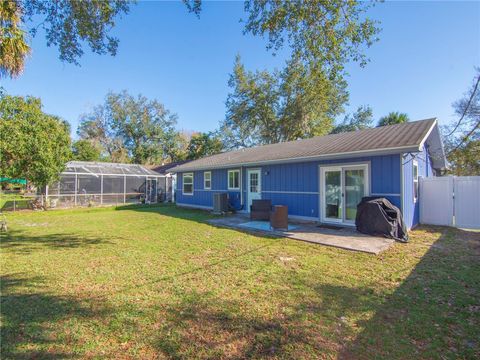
[260,210]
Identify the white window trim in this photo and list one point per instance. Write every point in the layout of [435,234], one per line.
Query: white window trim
[183,183]
[228,179]
[204,180]
[415,163]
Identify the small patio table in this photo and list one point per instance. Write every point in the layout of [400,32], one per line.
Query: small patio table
[279,217]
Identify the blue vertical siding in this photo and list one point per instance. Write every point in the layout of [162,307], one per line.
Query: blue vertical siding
[296,185]
[411,209]
[204,197]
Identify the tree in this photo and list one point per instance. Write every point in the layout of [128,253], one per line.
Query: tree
[203,144]
[303,99]
[462,140]
[266,108]
[67,25]
[85,150]
[393,118]
[131,129]
[175,146]
[13,45]
[360,120]
[33,145]
[96,128]
[323,34]
[465,160]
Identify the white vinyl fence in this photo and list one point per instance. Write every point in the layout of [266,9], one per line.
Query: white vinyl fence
[451,201]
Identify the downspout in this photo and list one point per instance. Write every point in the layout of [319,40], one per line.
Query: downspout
[402,206]
[241,187]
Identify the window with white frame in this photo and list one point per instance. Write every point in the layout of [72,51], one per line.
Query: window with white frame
[207,180]
[233,179]
[188,184]
[415,180]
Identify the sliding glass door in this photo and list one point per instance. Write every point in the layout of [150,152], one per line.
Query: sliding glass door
[333,194]
[342,189]
[354,191]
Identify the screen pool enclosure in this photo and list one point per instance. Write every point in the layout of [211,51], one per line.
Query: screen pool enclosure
[98,183]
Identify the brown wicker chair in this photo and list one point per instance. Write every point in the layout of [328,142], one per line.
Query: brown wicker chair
[279,217]
[260,209]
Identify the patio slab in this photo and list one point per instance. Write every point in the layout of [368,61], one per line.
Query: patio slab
[344,238]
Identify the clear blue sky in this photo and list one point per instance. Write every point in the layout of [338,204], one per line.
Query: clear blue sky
[423,62]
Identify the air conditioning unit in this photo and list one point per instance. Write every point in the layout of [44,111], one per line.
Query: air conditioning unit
[220,203]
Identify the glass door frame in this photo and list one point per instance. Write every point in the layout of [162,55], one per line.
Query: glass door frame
[259,185]
[323,203]
[151,190]
[342,168]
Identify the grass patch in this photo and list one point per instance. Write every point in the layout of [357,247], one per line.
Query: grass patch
[7,200]
[159,282]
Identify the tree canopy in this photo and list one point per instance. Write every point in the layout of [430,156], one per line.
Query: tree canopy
[361,119]
[265,107]
[462,140]
[131,129]
[85,150]
[323,34]
[13,44]
[33,145]
[303,99]
[203,144]
[67,25]
[393,118]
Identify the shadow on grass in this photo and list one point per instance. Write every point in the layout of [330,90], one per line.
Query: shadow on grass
[435,312]
[170,209]
[20,241]
[203,326]
[28,319]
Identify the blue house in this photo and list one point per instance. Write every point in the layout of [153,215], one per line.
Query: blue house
[322,178]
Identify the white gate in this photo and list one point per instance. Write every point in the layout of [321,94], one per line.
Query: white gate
[436,200]
[467,201]
[451,201]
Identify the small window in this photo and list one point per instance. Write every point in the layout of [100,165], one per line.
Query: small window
[207,180]
[253,182]
[233,179]
[188,184]
[415,180]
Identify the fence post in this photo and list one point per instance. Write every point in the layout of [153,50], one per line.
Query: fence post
[76,189]
[124,188]
[14,207]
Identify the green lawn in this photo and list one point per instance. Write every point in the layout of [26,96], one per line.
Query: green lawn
[6,200]
[159,282]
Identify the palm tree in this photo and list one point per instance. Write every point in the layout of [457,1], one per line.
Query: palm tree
[13,44]
[394,117]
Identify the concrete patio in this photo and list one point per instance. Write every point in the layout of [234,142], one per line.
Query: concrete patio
[344,238]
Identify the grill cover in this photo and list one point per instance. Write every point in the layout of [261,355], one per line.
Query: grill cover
[377,216]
